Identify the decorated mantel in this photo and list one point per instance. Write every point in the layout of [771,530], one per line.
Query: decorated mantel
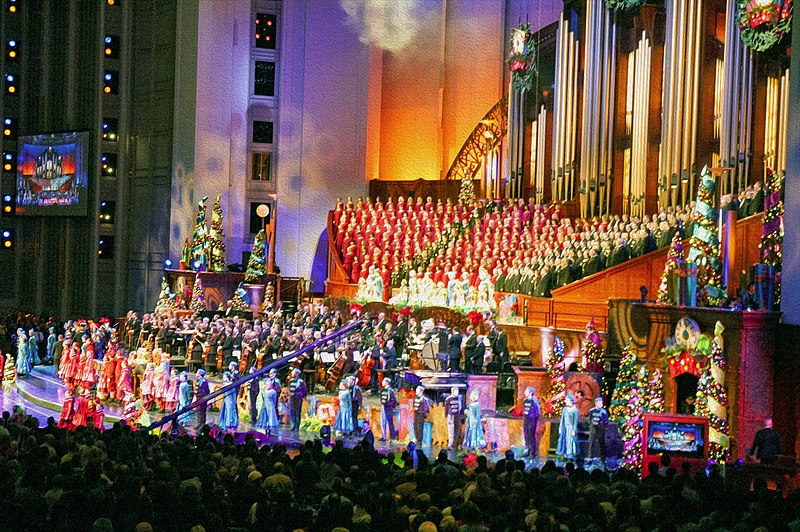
[731,352]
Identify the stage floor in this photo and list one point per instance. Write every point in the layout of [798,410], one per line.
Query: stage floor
[42,394]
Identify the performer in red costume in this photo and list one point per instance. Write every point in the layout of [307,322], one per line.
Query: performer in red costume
[68,410]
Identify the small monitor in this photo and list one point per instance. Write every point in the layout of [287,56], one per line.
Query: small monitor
[676,438]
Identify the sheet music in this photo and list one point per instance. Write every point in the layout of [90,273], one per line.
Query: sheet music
[327,357]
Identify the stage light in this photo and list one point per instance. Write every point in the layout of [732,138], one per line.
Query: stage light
[10,161]
[108,39]
[9,127]
[12,6]
[9,208]
[111,46]
[110,126]
[168,263]
[197,264]
[108,77]
[107,89]
[110,82]
[8,238]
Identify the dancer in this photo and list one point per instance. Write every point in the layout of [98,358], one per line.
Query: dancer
[568,429]
[343,423]
[23,359]
[67,411]
[173,392]
[275,383]
[454,407]
[229,411]
[146,386]
[530,419]
[267,406]
[422,406]
[297,392]
[473,435]
[388,404]
[125,381]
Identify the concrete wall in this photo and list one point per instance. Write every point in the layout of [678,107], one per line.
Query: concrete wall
[323,96]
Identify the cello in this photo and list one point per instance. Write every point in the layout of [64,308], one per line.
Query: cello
[335,371]
[365,370]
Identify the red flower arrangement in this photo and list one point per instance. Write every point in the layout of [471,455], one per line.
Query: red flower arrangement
[405,311]
[475,317]
[355,308]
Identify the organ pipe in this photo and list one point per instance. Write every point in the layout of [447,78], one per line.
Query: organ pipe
[680,98]
[639,81]
[564,113]
[597,109]
[737,89]
[538,130]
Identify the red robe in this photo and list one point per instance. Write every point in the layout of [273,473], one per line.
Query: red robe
[65,421]
[81,410]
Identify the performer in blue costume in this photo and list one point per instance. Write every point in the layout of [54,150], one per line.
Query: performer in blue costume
[267,405]
[473,434]
[23,358]
[568,429]
[184,398]
[229,412]
[344,418]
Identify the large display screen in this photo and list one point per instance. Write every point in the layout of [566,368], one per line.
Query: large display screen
[52,176]
[684,439]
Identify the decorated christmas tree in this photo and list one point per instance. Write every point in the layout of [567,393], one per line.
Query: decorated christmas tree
[555,370]
[592,349]
[10,369]
[632,435]
[771,245]
[216,239]
[256,266]
[655,393]
[716,402]
[269,298]
[467,192]
[626,380]
[674,259]
[200,238]
[704,250]
[164,297]
[198,303]
[240,301]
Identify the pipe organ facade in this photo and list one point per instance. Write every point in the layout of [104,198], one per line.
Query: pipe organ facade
[631,105]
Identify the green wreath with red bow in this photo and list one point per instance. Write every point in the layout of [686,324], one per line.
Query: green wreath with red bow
[763,23]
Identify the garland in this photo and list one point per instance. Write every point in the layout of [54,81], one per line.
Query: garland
[555,370]
[522,58]
[623,5]
[763,23]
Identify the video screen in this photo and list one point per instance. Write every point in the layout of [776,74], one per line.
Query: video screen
[684,439]
[52,178]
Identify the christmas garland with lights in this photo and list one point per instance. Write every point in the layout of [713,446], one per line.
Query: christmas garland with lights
[200,238]
[554,363]
[711,399]
[198,303]
[257,261]
[522,58]
[674,259]
[764,23]
[632,436]
[771,244]
[705,245]
[216,239]
[655,393]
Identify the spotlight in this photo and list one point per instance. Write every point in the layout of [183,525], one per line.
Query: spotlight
[168,263]
[8,238]
[197,264]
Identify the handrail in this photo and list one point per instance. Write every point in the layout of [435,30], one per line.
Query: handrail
[274,364]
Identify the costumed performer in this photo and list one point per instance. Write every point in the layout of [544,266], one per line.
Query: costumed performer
[473,434]
[531,412]
[568,429]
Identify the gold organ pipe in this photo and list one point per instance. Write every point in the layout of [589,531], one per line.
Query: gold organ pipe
[667,116]
[678,109]
[695,84]
[688,104]
[573,113]
[558,95]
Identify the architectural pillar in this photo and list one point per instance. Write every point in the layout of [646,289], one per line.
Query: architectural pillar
[790,272]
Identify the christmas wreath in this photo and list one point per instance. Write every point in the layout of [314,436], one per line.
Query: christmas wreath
[522,58]
[763,23]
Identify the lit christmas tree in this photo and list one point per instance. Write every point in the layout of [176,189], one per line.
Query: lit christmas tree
[198,303]
[555,370]
[164,297]
[240,301]
[705,245]
[200,238]
[256,266]
[216,239]
[632,437]
[626,380]
[10,369]
[269,299]
[655,393]
[592,349]
[716,403]
[674,259]
[771,245]
[467,192]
